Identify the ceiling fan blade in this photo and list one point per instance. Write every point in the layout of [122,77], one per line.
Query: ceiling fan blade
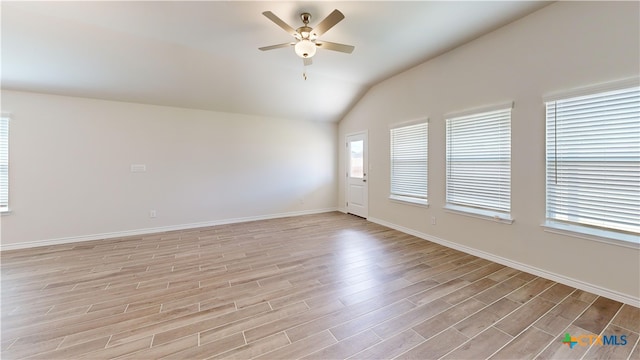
[271,16]
[335,46]
[330,21]
[271,47]
[307,61]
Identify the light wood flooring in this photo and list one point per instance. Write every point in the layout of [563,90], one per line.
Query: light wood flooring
[326,286]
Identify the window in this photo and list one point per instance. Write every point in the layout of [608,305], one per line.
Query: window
[409,163]
[356,159]
[593,162]
[4,163]
[479,163]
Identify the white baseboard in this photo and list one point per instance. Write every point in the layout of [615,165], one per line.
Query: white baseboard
[116,234]
[578,284]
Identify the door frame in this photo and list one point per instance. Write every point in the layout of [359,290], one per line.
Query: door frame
[365,135]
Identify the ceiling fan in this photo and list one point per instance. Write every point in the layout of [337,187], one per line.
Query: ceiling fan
[307,41]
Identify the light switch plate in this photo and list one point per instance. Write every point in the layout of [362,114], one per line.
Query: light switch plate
[138,168]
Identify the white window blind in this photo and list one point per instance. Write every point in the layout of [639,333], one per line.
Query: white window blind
[409,163]
[593,160]
[4,163]
[479,161]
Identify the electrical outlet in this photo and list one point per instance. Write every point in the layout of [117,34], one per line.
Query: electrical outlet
[433,220]
[152,214]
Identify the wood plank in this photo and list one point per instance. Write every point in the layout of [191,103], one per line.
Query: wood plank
[497,292]
[477,323]
[301,348]
[570,308]
[525,346]
[552,323]
[255,349]
[347,347]
[206,350]
[481,346]
[524,316]
[391,347]
[445,319]
[438,291]
[557,293]
[598,315]
[435,347]
[503,307]
[468,291]
[629,318]
[410,319]
[371,319]
[530,290]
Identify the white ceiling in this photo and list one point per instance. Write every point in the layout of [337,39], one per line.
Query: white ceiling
[204,54]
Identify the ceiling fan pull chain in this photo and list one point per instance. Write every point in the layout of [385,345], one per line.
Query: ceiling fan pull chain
[304,71]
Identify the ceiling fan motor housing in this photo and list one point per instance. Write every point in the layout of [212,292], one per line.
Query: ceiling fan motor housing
[305,32]
[305,47]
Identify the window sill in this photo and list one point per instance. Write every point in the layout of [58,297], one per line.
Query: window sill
[480,213]
[600,235]
[409,200]
[5,211]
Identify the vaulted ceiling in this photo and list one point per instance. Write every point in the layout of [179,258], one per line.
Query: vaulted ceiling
[204,54]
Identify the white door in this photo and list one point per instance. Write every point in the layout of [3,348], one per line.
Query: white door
[357,166]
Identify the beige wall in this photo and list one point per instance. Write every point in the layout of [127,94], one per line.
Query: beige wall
[562,46]
[70,173]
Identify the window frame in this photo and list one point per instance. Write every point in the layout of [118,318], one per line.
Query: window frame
[479,211]
[407,199]
[576,229]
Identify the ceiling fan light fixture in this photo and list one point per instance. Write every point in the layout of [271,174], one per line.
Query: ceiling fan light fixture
[305,48]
